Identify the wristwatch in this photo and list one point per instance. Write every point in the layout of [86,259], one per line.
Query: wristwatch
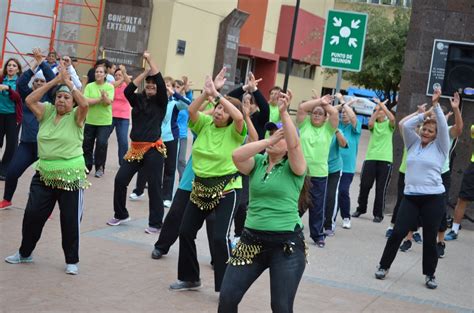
[217,99]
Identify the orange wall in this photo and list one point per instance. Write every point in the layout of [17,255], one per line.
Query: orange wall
[251,34]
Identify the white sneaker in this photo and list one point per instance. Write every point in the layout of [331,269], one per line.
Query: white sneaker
[346,223]
[72,269]
[167,203]
[133,196]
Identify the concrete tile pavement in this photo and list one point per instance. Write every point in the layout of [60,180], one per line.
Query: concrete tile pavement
[118,275]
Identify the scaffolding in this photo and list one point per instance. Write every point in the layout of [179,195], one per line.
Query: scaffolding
[68,27]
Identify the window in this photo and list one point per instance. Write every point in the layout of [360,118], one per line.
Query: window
[298,69]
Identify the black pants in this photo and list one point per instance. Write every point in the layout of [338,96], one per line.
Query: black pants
[40,205]
[9,130]
[98,136]
[331,200]
[400,188]
[241,213]
[169,171]
[188,266]
[431,210]
[152,167]
[170,230]
[25,155]
[380,172]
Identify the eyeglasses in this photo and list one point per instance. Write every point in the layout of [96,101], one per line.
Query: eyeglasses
[319,113]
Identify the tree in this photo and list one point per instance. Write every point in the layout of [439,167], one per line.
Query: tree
[384,51]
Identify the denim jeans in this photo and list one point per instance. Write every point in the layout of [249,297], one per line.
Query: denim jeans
[316,209]
[285,275]
[121,130]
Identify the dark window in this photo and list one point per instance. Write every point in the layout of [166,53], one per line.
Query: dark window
[298,69]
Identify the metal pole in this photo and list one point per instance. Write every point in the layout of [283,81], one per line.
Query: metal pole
[292,41]
[338,85]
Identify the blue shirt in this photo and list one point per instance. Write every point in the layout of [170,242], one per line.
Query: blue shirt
[183,118]
[7,106]
[186,182]
[334,158]
[169,126]
[349,155]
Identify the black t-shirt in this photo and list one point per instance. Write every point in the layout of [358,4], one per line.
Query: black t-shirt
[147,112]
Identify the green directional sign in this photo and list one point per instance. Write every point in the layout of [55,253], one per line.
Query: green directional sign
[344,38]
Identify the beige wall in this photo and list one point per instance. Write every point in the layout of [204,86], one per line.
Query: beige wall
[196,22]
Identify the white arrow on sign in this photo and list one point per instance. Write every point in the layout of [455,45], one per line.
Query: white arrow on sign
[353,42]
[334,40]
[355,24]
[337,21]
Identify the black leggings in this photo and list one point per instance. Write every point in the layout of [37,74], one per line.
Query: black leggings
[431,209]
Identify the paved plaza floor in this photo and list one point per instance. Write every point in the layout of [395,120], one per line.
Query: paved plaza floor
[117,273]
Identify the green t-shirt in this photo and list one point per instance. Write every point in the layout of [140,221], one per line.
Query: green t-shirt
[212,150]
[274,113]
[403,165]
[59,141]
[316,142]
[99,114]
[380,143]
[274,197]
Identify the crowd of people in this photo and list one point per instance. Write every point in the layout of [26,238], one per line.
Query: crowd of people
[250,166]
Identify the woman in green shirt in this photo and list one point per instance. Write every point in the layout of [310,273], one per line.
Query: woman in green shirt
[272,237]
[60,171]
[216,186]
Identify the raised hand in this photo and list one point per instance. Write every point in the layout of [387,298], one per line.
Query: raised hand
[290,95]
[146,55]
[187,83]
[209,87]
[220,79]
[326,100]
[253,83]
[422,108]
[276,137]
[123,69]
[170,89]
[314,95]
[37,55]
[455,101]
[283,102]
[436,96]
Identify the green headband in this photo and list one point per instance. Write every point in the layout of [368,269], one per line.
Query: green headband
[64,88]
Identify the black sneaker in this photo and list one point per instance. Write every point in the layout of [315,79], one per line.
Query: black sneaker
[406,245]
[180,285]
[440,247]
[430,282]
[378,219]
[357,214]
[417,237]
[156,254]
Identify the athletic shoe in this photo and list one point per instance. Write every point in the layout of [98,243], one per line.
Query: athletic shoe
[167,203]
[152,230]
[377,219]
[99,173]
[417,237]
[17,259]
[5,204]
[389,232]
[116,221]
[381,273]
[357,214]
[440,247]
[134,197]
[406,245]
[156,254]
[180,285]
[329,232]
[320,243]
[346,223]
[430,282]
[72,269]
[451,236]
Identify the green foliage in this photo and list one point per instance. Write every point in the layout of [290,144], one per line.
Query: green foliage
[384,49]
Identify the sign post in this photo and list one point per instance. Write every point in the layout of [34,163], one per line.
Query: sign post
[344,39]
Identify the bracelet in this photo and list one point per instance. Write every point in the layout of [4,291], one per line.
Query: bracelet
[217,99]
